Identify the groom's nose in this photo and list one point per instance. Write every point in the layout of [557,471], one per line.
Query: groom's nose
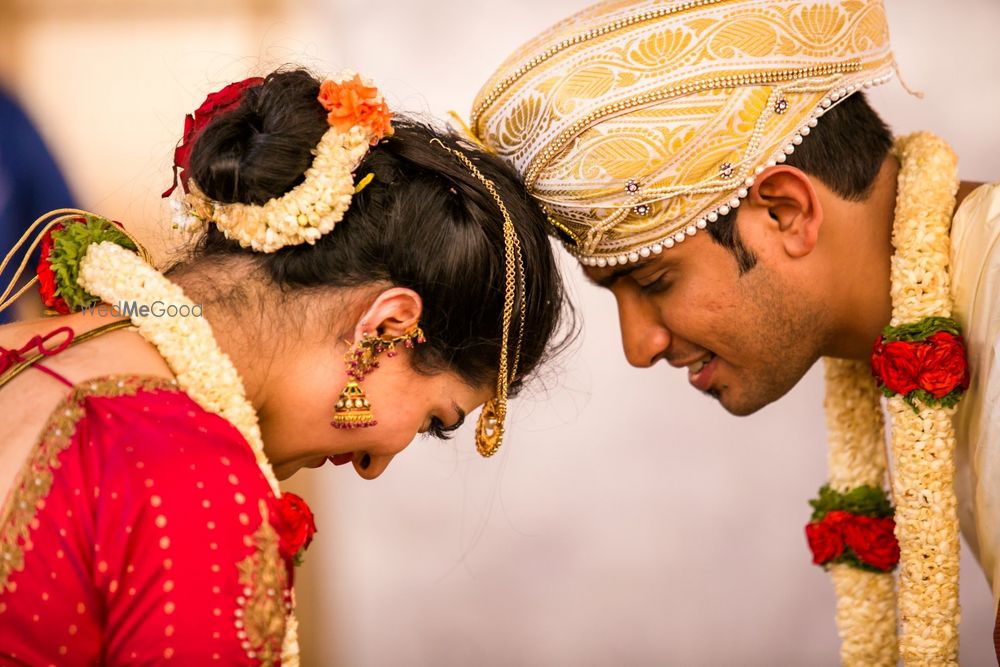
[645,338]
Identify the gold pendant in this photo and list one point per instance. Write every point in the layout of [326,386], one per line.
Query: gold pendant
[489,430]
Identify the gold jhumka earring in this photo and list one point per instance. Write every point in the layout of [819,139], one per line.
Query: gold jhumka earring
[490,427]
[353,409]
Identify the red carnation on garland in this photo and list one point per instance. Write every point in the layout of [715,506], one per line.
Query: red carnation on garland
[924,361]
[873,541]
[854,527]
[826,537]
[47,285]
[825,541]
[897,364]
[944,367]
[296,526]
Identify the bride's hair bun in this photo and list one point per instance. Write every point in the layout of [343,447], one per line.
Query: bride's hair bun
[261,149]
[423,220]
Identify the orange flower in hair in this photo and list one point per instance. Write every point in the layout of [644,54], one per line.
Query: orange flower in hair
[352,102]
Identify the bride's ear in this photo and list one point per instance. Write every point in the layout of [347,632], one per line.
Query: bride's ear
[392,313]
[792,205]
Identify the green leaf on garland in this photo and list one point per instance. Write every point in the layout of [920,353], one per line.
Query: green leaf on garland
[863,500]
[922,330]
[920,396]
[69,246]
[848,557]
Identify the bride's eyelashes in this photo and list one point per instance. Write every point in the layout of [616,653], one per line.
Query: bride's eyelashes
[438,430]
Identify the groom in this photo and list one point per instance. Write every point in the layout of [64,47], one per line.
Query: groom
[716,166]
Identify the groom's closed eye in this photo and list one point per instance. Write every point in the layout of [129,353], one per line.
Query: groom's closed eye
[654,284]
[606,281]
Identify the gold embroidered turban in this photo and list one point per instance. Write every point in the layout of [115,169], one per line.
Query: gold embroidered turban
[637,123]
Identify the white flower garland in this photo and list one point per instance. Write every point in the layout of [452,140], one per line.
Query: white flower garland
[923,444]
[202,369]
[302,215]
[866,601]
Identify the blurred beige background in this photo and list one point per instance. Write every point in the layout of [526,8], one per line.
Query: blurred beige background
[628,520]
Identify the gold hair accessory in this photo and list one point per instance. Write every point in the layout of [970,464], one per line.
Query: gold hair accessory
[637,124]
[358,119]
[490,427]
[363,183]
[353,410]
[467,132]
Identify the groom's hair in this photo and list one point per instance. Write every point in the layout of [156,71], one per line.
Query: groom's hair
[845,151]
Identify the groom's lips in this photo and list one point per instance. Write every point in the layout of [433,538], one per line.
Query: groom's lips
[702,379]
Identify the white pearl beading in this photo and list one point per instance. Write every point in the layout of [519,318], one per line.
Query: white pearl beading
[777,157]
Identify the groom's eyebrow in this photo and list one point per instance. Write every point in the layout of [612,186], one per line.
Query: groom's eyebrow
[611,278]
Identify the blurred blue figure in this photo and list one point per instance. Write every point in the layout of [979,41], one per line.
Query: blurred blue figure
[30,181]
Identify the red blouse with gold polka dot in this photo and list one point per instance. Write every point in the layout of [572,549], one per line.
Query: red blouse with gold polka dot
[140,530]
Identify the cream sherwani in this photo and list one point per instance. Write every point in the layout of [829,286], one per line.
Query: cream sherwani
[975,257]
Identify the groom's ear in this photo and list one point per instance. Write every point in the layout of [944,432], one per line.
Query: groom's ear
[792,206]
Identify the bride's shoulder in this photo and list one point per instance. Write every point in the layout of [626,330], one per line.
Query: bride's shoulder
[149,423]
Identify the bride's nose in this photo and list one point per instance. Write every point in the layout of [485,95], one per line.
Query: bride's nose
[369,466]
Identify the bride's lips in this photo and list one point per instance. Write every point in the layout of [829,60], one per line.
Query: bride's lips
[341,459]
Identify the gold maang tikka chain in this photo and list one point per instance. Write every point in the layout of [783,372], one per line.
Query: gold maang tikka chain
[490,427]
[353,409]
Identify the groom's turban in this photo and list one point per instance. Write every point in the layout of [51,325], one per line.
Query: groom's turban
[637,123]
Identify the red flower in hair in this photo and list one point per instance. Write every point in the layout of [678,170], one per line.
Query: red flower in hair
[353,103]
[215,104]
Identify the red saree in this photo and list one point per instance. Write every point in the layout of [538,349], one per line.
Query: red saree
[140,530]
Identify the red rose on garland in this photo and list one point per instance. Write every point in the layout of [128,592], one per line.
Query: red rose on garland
[853,527]
[944,365]
[215,104]
[826,540]
[897,364]
[826,537]
[922,361]
[296,526]
[47,285]
[873,541]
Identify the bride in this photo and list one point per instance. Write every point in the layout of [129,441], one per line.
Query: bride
[356,280]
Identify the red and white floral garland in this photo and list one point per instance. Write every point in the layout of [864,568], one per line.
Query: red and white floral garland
[920,363]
